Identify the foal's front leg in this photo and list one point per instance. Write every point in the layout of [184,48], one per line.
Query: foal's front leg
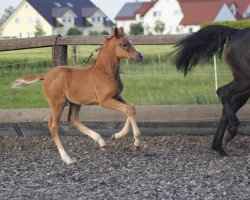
[129,111]
[125,129]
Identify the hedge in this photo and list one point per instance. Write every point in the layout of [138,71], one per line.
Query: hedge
[240,24]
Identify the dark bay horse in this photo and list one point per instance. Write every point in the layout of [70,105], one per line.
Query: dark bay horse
[97,84]
[204,44]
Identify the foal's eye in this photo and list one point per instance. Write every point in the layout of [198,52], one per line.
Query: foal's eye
[125,45]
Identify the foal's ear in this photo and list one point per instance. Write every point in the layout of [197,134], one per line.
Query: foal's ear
[118,32]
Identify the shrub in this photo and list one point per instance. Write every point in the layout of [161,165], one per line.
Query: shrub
[136,29]
[241,24]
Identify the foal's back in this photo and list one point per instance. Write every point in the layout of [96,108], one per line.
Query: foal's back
[72,83]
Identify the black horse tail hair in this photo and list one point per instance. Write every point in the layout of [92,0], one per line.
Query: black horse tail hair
[201,45]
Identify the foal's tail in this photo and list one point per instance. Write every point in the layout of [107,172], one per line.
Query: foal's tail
[26,80]
[201,45]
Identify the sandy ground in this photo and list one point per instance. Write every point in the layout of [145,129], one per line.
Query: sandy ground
[166,167]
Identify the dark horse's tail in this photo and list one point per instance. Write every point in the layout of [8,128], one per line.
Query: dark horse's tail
[201,45]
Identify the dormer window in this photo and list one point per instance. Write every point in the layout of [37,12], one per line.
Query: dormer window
[57,4]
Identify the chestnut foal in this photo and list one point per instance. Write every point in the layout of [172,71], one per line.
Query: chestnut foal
[99,83]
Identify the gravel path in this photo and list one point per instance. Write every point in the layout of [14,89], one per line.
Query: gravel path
[166,167]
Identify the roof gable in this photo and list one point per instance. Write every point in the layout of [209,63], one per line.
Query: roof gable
[52,8]
[128,11]
[89,11]
[59,12]
[198,11]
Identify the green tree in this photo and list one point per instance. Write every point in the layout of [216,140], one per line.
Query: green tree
[136,29]
[39,30]
[74,31]
[159,27]
[7,13]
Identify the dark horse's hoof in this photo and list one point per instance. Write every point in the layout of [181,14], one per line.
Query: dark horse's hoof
[220,150]
[230,134]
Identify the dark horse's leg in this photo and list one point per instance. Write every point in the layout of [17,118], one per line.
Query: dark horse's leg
[237,101]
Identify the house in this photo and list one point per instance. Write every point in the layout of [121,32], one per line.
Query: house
[197,11]
[148,13]
[181,16]
[55,17]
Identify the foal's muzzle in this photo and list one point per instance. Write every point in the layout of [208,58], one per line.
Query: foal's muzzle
[138,57]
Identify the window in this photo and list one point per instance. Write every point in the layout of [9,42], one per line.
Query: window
[26,6]
[69,19]
[37,21]
[30,20]
[98,19]
[70,4]
[17,20]
[156,13]
[190,30]
[57,4]
[20,35]
[64,19]
[93,19]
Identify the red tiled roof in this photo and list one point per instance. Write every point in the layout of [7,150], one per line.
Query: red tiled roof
[145,7]
[196,12]
[241,5]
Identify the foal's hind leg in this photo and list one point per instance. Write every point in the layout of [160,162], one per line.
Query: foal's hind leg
[57,107]
[73,119]
[123,132]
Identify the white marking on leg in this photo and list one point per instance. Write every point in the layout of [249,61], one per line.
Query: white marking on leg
[95,136]
[65,157]
[123,132]
[136,131]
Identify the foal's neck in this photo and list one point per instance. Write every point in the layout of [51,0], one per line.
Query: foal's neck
[108,62]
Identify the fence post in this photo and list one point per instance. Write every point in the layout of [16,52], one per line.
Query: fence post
[73,56]
[215,74]
[59,55]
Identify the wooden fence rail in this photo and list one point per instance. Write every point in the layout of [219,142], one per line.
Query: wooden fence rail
[59,44]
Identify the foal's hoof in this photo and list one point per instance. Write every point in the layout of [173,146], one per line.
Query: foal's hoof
[70,162]
[103,148]
[220,150]
[136,148]
[113,137]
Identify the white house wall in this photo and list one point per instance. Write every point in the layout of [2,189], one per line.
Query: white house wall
[125,24]
[225,14]
[68,21]
[97,25]
[168,12]
[247,12]
[23,21]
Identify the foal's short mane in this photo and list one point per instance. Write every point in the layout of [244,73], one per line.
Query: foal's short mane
[102,46]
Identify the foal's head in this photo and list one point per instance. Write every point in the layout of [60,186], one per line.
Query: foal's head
[124,47]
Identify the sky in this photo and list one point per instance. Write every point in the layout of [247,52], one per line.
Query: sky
[109,7]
